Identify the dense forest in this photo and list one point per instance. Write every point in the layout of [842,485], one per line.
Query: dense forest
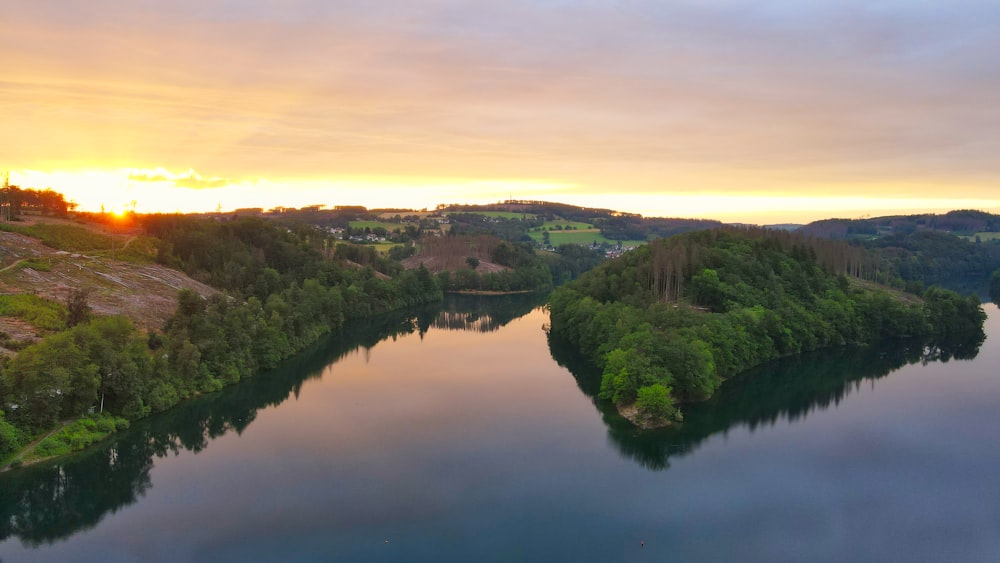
[957,250]
[925,258]
[280,292]
[962,222]
[670,321]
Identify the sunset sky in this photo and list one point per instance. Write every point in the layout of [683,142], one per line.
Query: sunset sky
[742,111]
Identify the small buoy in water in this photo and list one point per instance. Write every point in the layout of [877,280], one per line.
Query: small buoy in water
[642,543]
[386,541]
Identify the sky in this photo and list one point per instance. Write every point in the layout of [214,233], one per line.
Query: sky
[776,111]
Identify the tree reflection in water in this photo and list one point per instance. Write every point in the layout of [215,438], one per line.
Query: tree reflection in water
[787,389]
[50,501]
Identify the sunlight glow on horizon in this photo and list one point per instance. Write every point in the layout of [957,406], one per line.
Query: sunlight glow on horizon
[157,192]
[742,113]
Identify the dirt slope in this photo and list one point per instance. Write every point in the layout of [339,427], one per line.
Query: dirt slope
[146,293]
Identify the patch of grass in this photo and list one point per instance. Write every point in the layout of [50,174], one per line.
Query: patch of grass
[581,236]
[9,342]
[77,435]
[383,247]
[70,238]
[141,250]
[37,264]
[36,311]
[572,225]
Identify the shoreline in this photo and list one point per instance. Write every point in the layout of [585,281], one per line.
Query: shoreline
[489,292]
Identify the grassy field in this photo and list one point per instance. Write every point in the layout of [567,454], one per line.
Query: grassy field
[70,238]
[581,236]
[36,311]
[549,225]
[504,214]
[383,247]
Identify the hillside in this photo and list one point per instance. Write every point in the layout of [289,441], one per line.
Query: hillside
[968,223]
[144,292]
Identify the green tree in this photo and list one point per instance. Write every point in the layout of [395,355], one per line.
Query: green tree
[77,307]
[655,405]
[10,438]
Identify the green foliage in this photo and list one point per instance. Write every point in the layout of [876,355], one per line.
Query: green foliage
[79,434]
[37,264]
[141,249]
[949,314]
[655,405]
[995,286]
[625,372]
[10,438]
[77,307]
[35,310]
[581,236]
[402,251]
[689,312]
[925,258]
[283,295]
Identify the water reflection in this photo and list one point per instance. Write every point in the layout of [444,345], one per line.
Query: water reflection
[788,389]
[50,501]
[481,313]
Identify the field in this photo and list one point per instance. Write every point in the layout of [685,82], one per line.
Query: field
[383,247]
[503,214]
[580,236]
[549,225]
[984,236]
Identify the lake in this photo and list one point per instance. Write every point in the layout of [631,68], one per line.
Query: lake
[460,433]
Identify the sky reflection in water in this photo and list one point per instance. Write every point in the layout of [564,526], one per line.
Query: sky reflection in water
[466,445]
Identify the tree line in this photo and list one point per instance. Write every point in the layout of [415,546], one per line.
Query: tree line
[15,201]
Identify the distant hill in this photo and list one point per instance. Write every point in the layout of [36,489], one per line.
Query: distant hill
[956,250]
[961,222]
[610,226]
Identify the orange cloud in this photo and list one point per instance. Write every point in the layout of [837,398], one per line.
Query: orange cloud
[825,98]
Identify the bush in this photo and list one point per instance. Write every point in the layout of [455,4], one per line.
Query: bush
[655,404]
[37,311]
[80,434]
[10,438]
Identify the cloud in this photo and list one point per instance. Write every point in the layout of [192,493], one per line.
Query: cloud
[190,179]
[838,96]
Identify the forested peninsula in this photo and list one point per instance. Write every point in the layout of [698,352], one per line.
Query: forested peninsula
[670,321]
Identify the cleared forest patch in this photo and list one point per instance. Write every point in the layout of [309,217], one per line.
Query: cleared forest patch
[144,292]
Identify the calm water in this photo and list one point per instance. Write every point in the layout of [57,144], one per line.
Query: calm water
[464,436]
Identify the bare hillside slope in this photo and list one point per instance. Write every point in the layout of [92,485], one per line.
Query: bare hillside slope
[146,293]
